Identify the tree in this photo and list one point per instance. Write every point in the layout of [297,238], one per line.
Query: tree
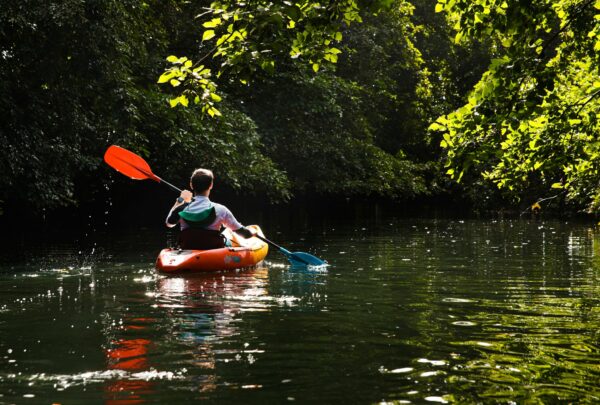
[342,132]
[322,138]
[531,123]
[77,76]
[248,36]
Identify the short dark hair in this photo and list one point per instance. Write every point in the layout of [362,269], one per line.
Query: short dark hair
[201,180]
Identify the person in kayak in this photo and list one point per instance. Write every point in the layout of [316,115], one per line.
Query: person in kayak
[200,219]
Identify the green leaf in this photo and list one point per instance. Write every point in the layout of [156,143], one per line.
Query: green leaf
[436,127]
[165,77]
[439,8]
[448,140]
[212,23]
[315,67]
[172,58]
[212,111]
[557,185]
[331,58]
[220,41]
[208,34]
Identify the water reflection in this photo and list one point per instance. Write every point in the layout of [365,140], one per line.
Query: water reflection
[196,326]
[128,355]
[419,311]
[514,320]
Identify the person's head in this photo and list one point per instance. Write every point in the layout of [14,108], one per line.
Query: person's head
[201,181]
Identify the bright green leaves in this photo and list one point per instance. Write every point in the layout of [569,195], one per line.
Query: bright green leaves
[331,54]
[208,34]
[247,37]
[215,22]
[531,122]
[509,22]
[437,127]
[197,82]
[165,77]
[174,75]
[183,100]
[446,142]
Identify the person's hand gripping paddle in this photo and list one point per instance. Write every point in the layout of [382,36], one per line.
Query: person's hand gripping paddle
[135,167]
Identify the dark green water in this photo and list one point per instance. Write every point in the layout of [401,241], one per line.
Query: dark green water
[410,311]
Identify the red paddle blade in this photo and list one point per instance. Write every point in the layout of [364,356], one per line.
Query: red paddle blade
[129,164]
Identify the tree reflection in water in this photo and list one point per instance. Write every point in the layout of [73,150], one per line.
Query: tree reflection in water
[197,311]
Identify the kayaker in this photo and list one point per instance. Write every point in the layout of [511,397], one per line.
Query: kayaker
[200,219]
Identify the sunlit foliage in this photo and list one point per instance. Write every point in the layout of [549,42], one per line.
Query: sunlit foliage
[249,36]
[77,76]
[531,123]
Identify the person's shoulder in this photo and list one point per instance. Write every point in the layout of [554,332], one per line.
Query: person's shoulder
[219,207]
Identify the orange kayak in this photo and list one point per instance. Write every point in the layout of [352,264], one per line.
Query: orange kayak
[242,254]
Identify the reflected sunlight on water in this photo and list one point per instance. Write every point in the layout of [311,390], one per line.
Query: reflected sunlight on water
[409,311]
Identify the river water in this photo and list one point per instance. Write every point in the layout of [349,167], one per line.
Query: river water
[410,310]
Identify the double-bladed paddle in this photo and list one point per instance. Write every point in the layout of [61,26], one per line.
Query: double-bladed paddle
[135,167]
[132,165]
[296,258]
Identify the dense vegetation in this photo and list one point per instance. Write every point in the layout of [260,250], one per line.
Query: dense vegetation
[531,123]
[285,98]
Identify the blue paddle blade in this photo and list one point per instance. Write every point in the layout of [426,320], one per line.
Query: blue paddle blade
[305,259]
[301,258]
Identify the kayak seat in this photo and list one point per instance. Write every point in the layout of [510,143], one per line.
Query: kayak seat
[200,239]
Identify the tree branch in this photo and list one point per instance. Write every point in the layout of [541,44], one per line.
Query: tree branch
[571,19]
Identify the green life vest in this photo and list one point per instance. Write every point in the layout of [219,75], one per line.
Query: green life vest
[199,219]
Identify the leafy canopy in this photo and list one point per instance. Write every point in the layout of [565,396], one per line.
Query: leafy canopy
[531,123]
[245,37]
[78,76]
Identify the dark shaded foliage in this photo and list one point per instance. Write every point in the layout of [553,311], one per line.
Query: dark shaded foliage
[77,76]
